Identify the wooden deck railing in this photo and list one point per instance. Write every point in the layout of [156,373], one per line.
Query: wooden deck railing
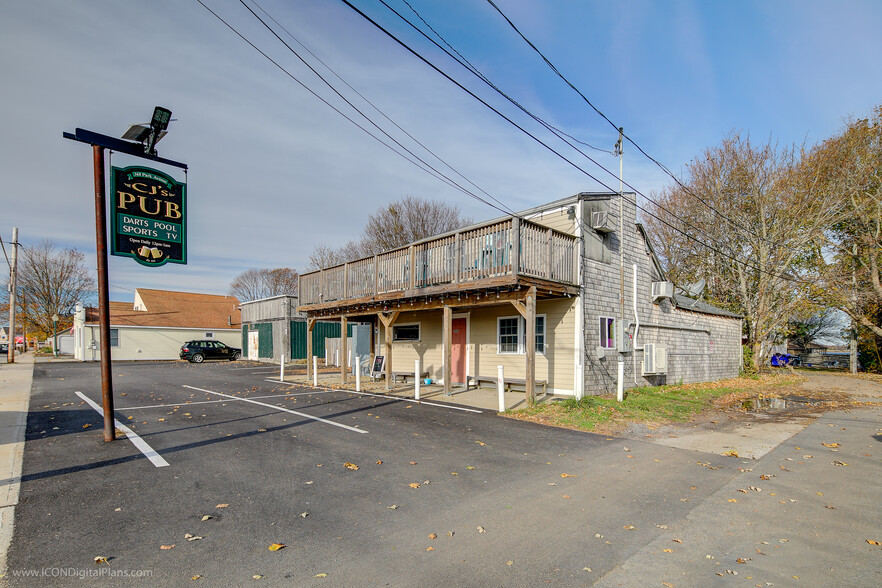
[465,257]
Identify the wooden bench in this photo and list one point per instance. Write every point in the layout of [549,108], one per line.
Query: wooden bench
[405,375]
[395,375]
[506,382]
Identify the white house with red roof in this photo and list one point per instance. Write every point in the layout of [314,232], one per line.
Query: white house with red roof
[157,324]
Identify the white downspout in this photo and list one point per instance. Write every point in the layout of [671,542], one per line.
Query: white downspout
[636,326]
[579,371]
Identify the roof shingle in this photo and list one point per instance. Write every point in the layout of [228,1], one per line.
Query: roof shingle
[168,308]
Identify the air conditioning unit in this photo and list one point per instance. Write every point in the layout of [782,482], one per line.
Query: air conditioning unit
[601,222]
[662,290]
[655,359]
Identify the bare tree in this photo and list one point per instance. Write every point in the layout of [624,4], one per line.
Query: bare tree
[255,284]
[745,220]
[323,256]
[399,223]
[50,281]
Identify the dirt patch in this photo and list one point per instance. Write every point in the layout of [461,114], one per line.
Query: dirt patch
[730,429]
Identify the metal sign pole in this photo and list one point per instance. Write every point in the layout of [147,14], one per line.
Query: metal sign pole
[99,142]
[103,296]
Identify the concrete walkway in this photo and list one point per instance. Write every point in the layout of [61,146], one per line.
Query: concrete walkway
[15,393]
[484,398]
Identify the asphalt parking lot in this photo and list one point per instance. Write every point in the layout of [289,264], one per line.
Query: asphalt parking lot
[229,463]
[509,503]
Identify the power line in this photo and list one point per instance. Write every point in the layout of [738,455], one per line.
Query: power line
[468,64]
[4,252]
[552,150]
[305,87]
[507,210]
[615,126]
[560,135]
[367,118]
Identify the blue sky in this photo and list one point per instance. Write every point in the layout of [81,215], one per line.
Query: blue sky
[274,172]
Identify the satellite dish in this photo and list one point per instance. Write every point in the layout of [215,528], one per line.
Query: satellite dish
[695,290]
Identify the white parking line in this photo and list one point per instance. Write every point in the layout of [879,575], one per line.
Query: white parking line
[306,416]
[217,401]
[142,445]
[398,398]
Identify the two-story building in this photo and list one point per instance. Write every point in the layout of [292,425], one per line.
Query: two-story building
[568,296]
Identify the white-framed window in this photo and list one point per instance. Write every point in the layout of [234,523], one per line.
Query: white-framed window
[607,332]
[114,337]
[511,335]
[406,332]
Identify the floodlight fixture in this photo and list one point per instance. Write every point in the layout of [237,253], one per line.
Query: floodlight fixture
[149,134]
[161,118]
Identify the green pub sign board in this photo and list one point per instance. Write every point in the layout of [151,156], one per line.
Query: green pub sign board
[149,219]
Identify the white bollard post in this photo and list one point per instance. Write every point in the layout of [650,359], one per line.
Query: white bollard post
[326,357]
[315,370]
[357,374]
[282,368]
[416,379]
[336,358]
[500,383]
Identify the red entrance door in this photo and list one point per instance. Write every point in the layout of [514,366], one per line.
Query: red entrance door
[458,344]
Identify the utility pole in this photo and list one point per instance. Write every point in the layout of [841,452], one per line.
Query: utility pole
[620,324]
[13,279]
[853,355]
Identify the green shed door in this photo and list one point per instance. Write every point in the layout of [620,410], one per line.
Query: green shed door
[298,340]
[265,339]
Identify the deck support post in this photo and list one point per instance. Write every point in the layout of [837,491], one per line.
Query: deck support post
[527,309]
[388,321]
[344,349]
[448,350]
[531,346]
[310,325]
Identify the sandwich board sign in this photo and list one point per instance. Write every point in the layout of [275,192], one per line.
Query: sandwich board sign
[149,216]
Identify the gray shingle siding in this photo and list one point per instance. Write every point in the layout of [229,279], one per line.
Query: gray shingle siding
[700,346]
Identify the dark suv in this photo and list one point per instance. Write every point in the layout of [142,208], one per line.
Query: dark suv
[199,351]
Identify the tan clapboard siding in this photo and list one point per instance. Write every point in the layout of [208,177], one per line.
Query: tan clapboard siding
[556,366]
[428,350]
[158,343]
[556,219]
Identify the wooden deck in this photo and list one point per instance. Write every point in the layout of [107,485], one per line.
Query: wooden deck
[479,258]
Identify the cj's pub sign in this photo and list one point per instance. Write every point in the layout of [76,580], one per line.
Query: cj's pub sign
[149,219]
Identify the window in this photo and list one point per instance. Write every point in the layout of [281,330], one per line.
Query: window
[509,339]
[407,332]
[114,337]
[607,332]
[209,335]
[511,334]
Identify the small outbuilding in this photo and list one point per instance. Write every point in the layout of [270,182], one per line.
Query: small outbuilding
[272,327]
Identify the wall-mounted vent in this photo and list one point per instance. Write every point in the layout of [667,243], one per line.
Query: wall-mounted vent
[655,359]
[601,222]
[662,290]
